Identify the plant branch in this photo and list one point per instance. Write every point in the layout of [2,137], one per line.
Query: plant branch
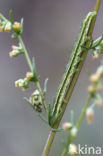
[70,89]
[30,66]
[3,18]
[71,138]
[29,63]
[25,53]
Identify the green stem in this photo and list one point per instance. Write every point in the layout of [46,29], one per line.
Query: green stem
[30,66]
[71,138]
[3,18]
[29,62]
[49,143]
[70,89]
[83,112]
[25,53]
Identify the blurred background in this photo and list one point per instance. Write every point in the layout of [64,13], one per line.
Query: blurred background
[50,29]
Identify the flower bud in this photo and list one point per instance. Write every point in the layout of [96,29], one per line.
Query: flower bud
[15,47]
[100,71]
[94,78]
[21,83]
[7,27]
[91,89]
[14,53]
[1,28]
[67,126]
[17,26]
[17,83]
[74,132]
[90,115]
[29,75]
[72,150]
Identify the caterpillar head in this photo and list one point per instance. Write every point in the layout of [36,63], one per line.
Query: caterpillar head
[36,101]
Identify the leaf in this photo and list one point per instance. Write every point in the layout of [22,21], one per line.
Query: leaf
[22,24]
[27,101]
[41,117]
[11,16]
[45,86]
[49,114]
[56,118]
[34,66]
[95,44]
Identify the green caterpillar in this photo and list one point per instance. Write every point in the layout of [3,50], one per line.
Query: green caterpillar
[75,58]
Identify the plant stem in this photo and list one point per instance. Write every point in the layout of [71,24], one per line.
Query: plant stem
[71,138]
[70,89]
[3,18]
[30,66]
[25,53]
[29,63]
[83,112]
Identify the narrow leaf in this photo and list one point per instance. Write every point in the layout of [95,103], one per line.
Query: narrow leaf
[22,24]
[45,86]
[11,16]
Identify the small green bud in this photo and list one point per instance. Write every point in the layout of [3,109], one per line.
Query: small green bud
[22,83]
[17,26]
[29,75]
[91,89]
[7,27]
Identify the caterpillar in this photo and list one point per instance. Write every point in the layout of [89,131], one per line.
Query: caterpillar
[75,58]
